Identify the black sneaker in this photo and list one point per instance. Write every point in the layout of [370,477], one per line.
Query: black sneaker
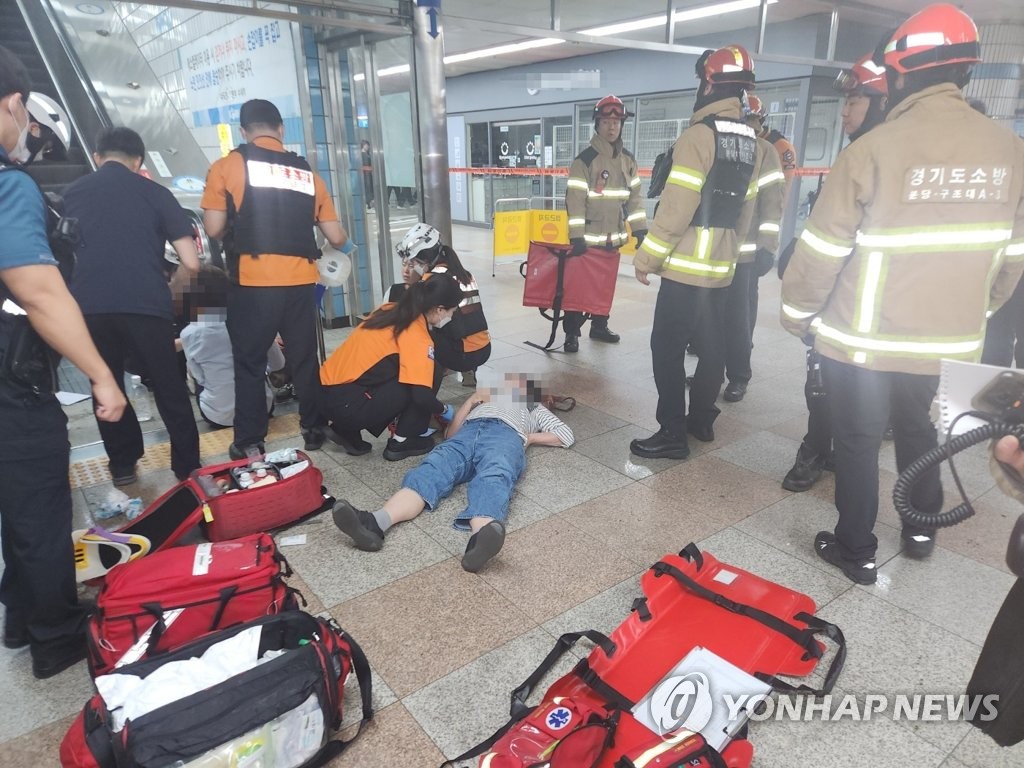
[123,475]
[359,526]
[313,439]
[860,571]
[661,445]
[806,471]
[411,446]
[351,442]
[603,333]
[734,391]
[56,656]
[238,452]
[482,546]
[572,343]
[917,542]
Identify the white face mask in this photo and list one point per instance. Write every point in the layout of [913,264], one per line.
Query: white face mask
[419,268]
[443,321]
[20,153]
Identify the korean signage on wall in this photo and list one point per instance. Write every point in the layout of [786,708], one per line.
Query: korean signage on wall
[246,59]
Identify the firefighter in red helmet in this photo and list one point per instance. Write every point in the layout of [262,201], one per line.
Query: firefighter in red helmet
[917,234]
[601,196]
[692,245]
[865,94]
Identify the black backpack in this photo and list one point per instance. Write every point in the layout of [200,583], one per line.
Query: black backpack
[659,173]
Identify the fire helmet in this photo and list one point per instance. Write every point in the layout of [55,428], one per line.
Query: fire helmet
[755,107]
[940,34]
[611,106]
[731,64]
[420,242]
[865,78]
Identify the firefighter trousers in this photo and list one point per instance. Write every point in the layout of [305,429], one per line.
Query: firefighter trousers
[861,404]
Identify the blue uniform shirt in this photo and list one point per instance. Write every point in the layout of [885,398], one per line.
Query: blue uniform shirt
[22,221]
[125,221]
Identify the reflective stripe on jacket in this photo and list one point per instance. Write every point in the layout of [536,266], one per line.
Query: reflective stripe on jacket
[673,248]
[762,226]
[917,233]
[604,193]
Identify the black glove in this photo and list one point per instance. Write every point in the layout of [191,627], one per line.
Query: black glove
[579,246]
[640,234]
[785,256]
[764,260]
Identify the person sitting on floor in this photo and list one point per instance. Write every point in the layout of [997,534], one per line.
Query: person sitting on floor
[385,370]
[207,349]
[486,448]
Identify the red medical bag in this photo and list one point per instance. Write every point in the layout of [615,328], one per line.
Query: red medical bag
[164,600]
[228,515]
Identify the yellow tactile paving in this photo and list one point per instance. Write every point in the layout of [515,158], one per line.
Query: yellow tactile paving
[158,456]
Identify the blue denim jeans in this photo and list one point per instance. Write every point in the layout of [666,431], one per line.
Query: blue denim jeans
[485,453]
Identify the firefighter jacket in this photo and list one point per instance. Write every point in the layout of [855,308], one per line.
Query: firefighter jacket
[761,222]
[602,193]
[917,234]
[675,247]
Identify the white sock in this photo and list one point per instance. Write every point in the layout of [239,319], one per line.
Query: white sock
[383,519]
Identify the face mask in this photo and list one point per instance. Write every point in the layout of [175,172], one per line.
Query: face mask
[35,144]
[443,321]
[20,153]
[419,268]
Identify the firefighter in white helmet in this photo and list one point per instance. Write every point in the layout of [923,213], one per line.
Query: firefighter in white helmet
[692,244]
[917,233]
[601,196]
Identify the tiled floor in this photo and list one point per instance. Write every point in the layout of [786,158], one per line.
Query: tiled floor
[447,646]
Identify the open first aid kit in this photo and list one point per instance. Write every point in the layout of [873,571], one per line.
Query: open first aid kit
[265,693]
[235,499]
[171,597]
[674,685]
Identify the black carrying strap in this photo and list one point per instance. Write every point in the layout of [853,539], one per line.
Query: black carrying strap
[705,751]
[562,254]
[361,667]
[805,638]
[518,708]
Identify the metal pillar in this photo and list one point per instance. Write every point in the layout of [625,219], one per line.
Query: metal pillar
[431,115]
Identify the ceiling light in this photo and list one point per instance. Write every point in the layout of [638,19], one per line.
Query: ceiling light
[689,14]
[499,50]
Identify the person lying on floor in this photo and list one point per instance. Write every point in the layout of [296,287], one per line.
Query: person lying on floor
[486,448]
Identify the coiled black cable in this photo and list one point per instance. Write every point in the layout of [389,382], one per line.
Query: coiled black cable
[995,429]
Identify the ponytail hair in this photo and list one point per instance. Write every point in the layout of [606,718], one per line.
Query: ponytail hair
[418,299]
[450,259]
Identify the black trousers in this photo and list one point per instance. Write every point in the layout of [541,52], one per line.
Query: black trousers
[860,401]
[818,440]
[149,341]
[38,585]
[450,353]
[737,324]
[1004,335]
[352,407]
[755,280]
[685,313]
[255,316]
[572,322]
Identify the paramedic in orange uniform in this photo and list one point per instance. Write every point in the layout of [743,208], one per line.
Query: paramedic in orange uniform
[263,201]
[386,370]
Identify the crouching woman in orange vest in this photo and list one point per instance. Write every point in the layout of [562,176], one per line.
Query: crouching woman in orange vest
[386,371]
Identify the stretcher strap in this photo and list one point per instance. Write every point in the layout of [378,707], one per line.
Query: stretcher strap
[518,708]
[805,638]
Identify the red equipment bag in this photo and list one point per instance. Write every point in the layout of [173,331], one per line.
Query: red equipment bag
[165,600]
[279,707]
[228,515]
[558,281]
[692,604]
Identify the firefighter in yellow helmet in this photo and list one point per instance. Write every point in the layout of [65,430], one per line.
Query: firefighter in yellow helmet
[917,233]
[601,196]
[692,245]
